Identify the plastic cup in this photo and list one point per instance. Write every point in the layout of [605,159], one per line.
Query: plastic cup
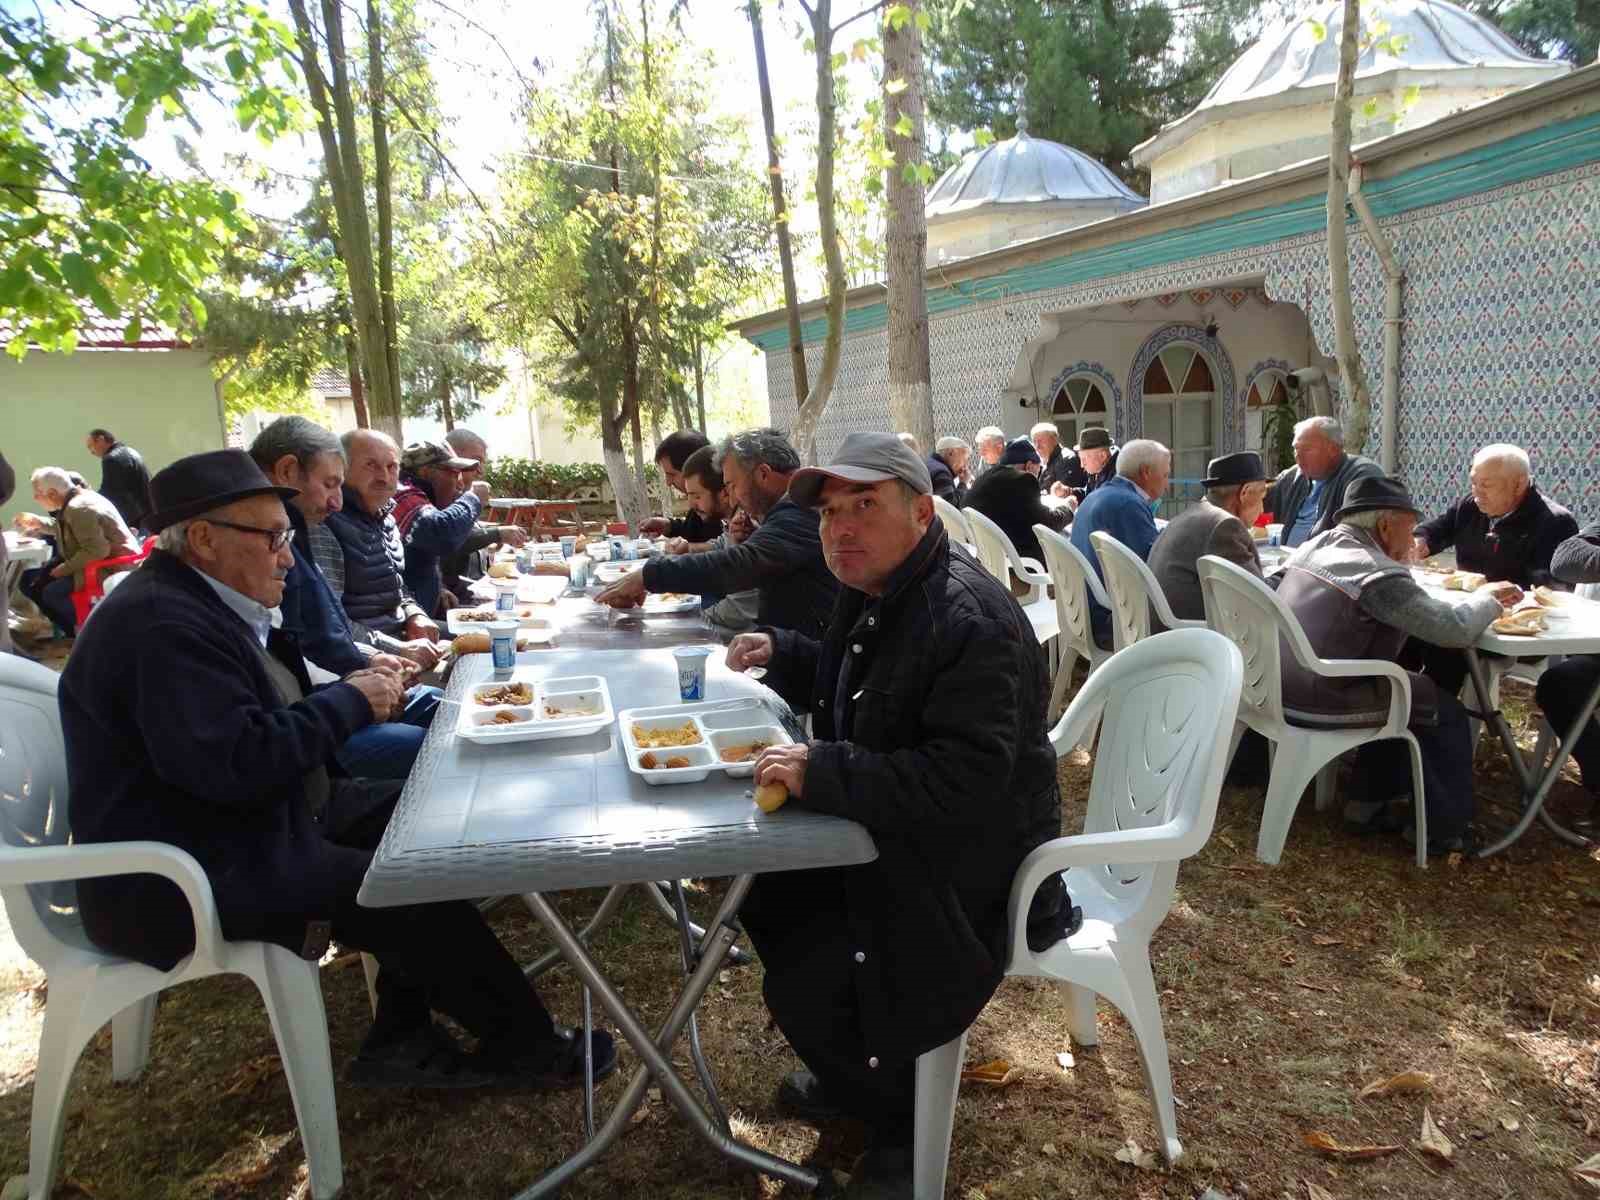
[569,545]
[503,644]
[578,570]
[691,671]
[1274,534]
[505,595]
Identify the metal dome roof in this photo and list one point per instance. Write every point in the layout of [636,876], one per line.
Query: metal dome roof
[1025,170]
[1290,65]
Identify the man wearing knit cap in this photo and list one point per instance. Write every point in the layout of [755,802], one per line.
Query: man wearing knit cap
[928,694]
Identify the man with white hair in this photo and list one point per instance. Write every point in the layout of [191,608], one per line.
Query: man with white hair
[1503,529]
[948,466]
[1126,509]
[86,527]
[1353,594]
[990,443]
[1057,463]
[1304,498]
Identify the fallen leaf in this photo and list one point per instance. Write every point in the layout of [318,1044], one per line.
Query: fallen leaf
[1453,859]
[1064,1060]
[1288,958]
[1316,1192]
[1510,1124]
[1316,987]
[1131,1154]
[1330,1145]
[1322,939]
[1048,1149]
[998,1073]
[1432,1141]
[1406,1081]
[1411,981]
[1589,1171]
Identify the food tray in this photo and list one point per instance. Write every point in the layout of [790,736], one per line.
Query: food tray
[543,629]
[610,572]
[720,724]
[476,721]
[656,603]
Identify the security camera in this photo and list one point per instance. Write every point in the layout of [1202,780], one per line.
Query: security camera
[1305,375]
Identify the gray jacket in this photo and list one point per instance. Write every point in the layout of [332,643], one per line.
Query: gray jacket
[1289,492]
[1174,559]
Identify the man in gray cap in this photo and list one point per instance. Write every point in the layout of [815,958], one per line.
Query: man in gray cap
[927,693]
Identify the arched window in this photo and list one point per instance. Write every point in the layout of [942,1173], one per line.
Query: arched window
[1081,403]
[1180,407]
[1268,391]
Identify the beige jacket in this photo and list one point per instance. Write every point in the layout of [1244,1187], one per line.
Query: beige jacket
[89,527]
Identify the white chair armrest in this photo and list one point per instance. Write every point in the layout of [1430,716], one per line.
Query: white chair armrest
[55,864]
[1078,722]
[1031,567]
[1375,668]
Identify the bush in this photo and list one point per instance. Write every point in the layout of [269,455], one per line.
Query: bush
[546,481]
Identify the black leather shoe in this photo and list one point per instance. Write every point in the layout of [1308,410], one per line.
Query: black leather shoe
[882,1173]
[801,1095]
[551,1065]
[427,1057]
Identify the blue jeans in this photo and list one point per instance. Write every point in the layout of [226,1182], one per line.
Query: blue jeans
[387,751]
[55,598]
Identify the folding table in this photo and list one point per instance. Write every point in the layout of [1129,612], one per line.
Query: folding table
[535,817]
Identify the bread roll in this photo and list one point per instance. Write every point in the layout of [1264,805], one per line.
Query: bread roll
[502,570]
[476,642]
[770,797]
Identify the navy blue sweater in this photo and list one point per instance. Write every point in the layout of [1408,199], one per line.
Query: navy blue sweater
[1120,509]
[312,613]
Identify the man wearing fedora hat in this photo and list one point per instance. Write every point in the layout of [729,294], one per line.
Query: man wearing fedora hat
[1235,486]
[1092,464]
[188,719]
[1353,594]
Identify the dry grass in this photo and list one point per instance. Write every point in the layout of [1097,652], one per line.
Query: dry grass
[1285,991]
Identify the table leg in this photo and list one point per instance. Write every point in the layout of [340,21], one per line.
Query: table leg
[1535,786]
[608,907]
[737,955]
[686,951]
[653,1050]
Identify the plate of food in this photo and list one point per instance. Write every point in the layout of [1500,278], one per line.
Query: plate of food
[657,603]
[1462,581]
[466,620]
[523,708]
[684,743]
[476,641]
[1521,622]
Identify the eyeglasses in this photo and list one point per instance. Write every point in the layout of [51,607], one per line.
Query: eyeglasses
[277,539]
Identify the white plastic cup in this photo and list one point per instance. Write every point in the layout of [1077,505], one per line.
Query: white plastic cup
[505,595]
[1274,534]
[569,545]
[578,570]
[691,671]
[503,644]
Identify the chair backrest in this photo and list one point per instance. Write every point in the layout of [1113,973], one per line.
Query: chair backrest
[1167,710]
[1589,591]
[1245,611]
[1074,579]
[33,804]
[955,521]
[1135,594]
[996,551]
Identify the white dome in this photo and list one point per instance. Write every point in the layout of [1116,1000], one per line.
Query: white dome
[1026,170]
[1439,44]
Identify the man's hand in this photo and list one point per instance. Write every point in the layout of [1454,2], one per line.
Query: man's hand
[383,690]
[749,650]
[677,545]
[783,764]
[391,662]
[1072,503]
[512,535]
[448,600]
[740,526]
[627,592]
[420,627]
[60,571]
[1419,549]
[422,652]
[1058,489]
[28,522]
[1509,594]
[480,489]
[654,525]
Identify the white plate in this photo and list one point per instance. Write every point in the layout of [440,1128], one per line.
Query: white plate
[720,723]
[528,620]
[654,605]
[475,721]
[610,572]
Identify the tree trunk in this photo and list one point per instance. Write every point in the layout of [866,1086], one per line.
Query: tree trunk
[700,384]
[381,186]
[446,414]
[337,131]
[358,394]
[1352,380]
[910,377]
[780,217]
[804,434]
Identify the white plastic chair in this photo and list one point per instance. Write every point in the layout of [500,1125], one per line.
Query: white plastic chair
[1001,559]
[1165,709]
[955,521]
[1135,593]
[1074,580]
[1249,613]
[88,987]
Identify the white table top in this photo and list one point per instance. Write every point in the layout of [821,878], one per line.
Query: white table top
[22,549]
[487,820]
[1579,633]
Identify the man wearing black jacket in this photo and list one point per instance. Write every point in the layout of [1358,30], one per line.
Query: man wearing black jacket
[673,451]
[124,479]
[782,559]
[867,967]
[1564,688]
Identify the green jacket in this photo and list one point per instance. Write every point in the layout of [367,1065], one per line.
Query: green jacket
[87,528]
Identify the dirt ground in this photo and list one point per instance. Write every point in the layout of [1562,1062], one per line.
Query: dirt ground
[1285,991]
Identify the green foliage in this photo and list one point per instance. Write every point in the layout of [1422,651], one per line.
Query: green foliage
[546,481]
[86,223]
[1100,77]
[1568,29]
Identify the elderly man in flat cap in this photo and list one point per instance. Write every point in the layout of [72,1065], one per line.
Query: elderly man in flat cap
[927,694]
[1236,485]
[188,719]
